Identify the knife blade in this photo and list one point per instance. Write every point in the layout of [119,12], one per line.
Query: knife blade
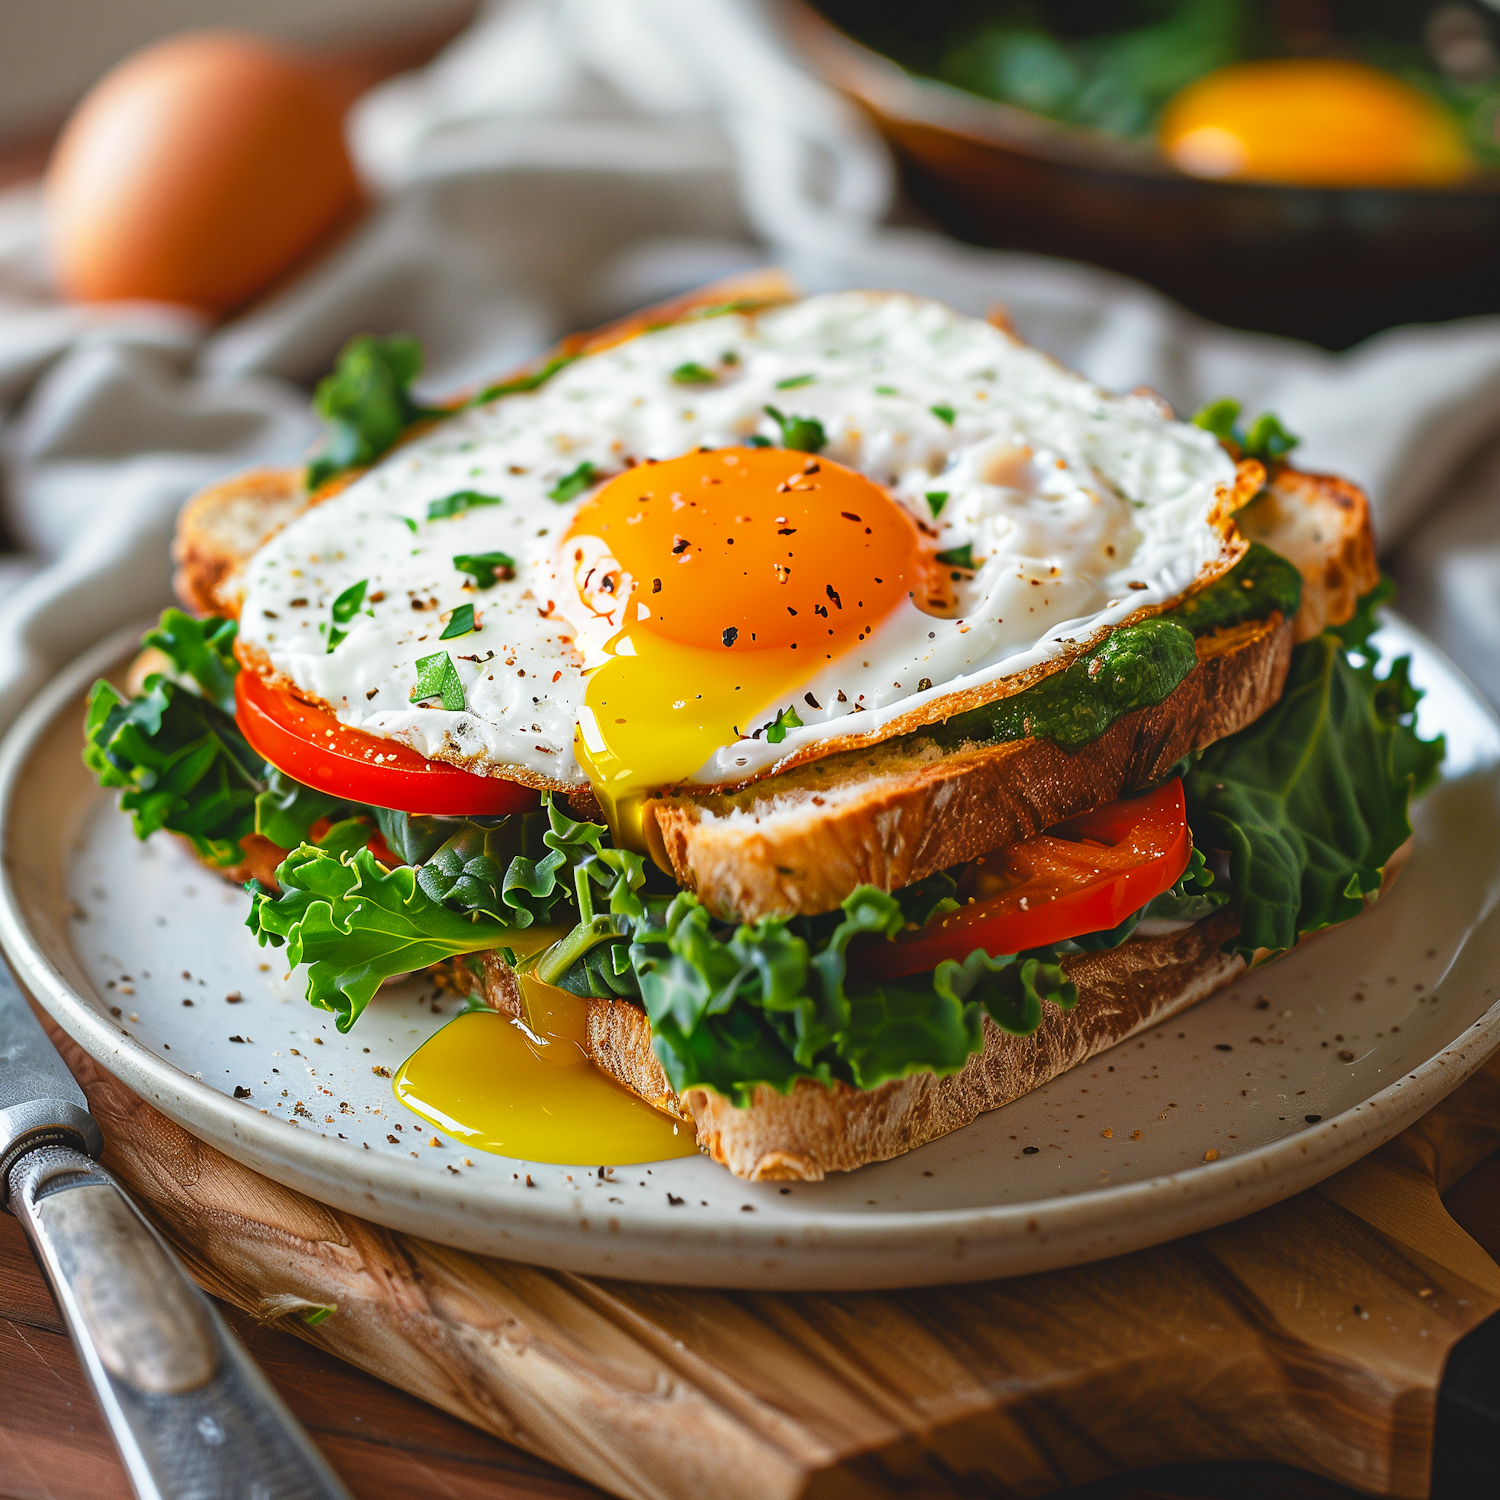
[189,1410]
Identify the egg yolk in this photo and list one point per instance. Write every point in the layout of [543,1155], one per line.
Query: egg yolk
[1322,122]
[729,577]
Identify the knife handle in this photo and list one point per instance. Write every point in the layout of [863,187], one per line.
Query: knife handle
[189,1410]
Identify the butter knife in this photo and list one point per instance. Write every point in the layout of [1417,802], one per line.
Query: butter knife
[192,1415]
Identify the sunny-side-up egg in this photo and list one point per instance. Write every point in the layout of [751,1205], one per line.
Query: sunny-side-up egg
[665,581]
[1318,121]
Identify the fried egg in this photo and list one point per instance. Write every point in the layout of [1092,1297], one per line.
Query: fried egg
[637,584]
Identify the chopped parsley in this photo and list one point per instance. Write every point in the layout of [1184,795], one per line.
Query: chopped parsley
[457,503]
[958,557]
[524,382]
[345,607]
[461,622]
[944,414]
[367,404]
[1267,440]
[793,381]
[775,731]
[936,500]
[693,374]
[886,390]
[437,677]
[572,484]
[486,568]
[803,434]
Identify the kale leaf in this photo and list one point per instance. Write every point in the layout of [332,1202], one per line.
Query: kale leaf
[1311,800]
[286,810]
[181,762]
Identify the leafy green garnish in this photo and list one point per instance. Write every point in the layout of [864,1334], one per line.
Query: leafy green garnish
[200,650]
[460,622]
[458,502]
[803,434]
[958,557]
[775,731]
[486,568]
[1267,440]
[367,403]
[572,484]
[1356,631]
[936,500]
[693,374]
[437,677]
[944,414]
[184,765]
[345,607]
[1311,800]
[793,381]
[524,383]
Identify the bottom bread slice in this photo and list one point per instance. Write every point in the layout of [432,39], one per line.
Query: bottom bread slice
[814,1129]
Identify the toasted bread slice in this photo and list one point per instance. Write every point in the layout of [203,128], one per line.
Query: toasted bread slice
[815,1129]
[1321,524]
[222,527]
[890,815]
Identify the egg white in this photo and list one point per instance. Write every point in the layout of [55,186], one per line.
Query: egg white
[1079,506]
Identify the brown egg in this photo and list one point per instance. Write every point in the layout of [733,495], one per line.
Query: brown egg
[197,172]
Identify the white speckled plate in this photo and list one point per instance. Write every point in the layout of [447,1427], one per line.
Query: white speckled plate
[1289,1075]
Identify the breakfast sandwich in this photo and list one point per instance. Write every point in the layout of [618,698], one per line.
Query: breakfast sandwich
[849,716]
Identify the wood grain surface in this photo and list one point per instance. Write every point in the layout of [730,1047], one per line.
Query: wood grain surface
[1312,1334]
[53,1444]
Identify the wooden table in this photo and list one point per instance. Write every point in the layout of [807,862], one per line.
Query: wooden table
[53,1444]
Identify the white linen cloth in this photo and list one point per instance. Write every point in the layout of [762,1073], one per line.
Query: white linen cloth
[566,160]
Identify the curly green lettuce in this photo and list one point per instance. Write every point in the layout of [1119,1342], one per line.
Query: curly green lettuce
[731,1005]
[183,765]
[174,749]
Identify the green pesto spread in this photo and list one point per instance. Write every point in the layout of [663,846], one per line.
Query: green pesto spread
[1137,666]
[1259,584]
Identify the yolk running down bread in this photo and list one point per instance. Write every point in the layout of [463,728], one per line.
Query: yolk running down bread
[730,576]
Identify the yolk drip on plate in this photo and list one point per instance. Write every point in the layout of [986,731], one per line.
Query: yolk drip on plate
[729,577]
[527,1089]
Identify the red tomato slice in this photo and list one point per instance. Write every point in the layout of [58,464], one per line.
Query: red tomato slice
[311,745]
[1085,875]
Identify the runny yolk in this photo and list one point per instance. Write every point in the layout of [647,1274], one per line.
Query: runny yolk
[727,579]
[1321,121]
[530,1091]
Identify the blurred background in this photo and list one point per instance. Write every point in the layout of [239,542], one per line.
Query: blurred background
[1292,202]
[54,52]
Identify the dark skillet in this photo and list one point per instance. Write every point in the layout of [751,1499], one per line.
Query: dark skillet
[1327,264]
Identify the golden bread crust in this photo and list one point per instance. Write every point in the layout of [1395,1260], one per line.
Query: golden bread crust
[898,812]
[222,527]
[1321,524]
[816,1129]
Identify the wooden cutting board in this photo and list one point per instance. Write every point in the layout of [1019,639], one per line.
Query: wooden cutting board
[1314,1333]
